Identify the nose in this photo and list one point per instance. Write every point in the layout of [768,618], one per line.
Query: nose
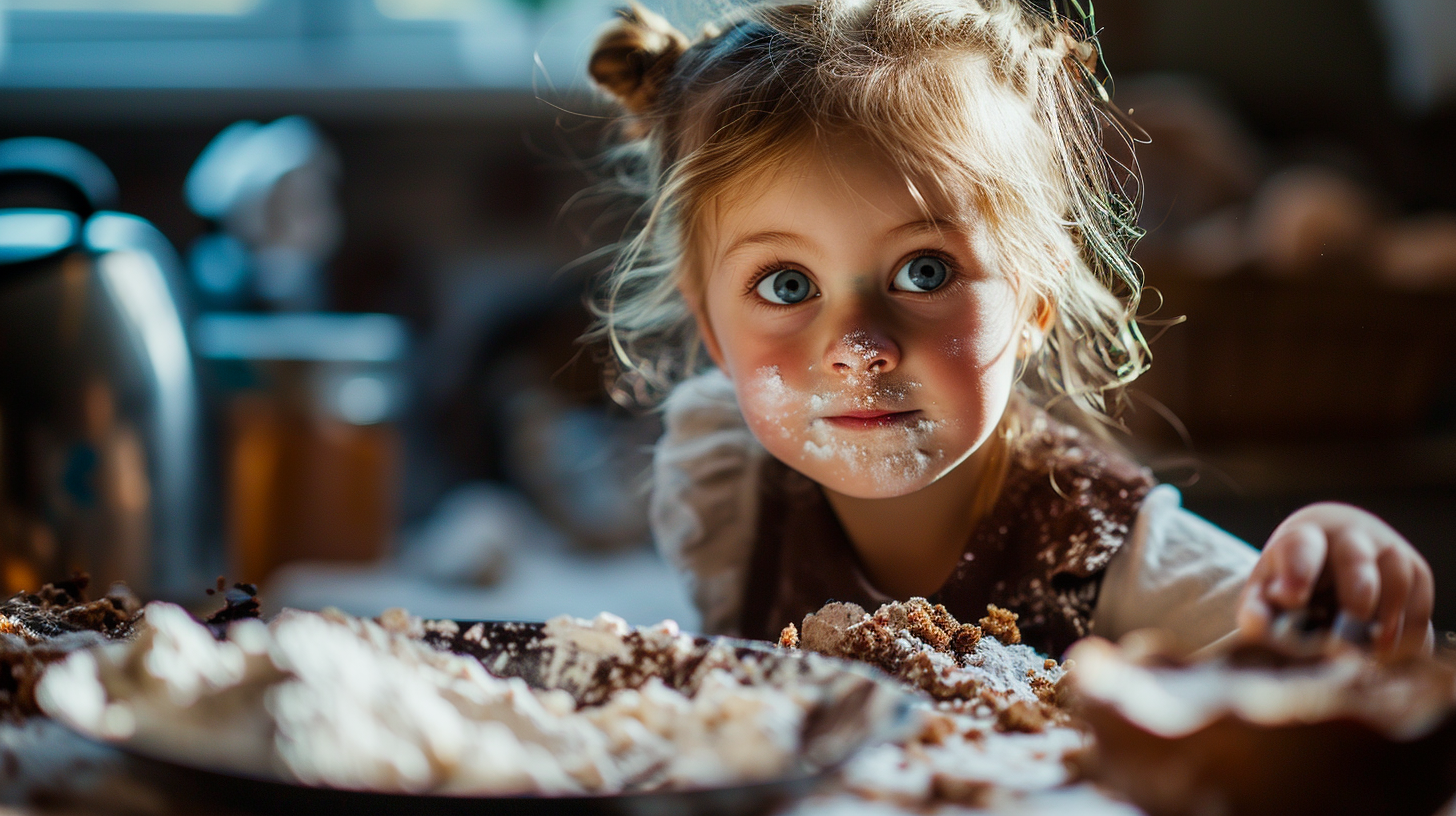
[862,352]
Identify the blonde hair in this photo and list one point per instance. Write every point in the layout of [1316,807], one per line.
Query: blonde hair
[991,104]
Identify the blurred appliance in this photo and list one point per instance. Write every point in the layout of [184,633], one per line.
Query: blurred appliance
[269,192]
[312,451]
[98,398]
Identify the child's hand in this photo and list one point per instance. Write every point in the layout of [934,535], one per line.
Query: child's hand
[1375,573]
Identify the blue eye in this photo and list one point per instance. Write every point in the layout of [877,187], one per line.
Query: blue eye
[786,287]
[925,273]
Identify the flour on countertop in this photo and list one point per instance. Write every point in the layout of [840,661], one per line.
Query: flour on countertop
[329,699]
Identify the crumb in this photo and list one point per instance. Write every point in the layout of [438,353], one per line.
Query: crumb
[400,621]
[921,622]
[40,628]
[789,637]
[944,619]
[1045,690]
[1001,624]
[1023,717]
[239,603]
[965,792]
[936,729]
[967,638]
[1049,664]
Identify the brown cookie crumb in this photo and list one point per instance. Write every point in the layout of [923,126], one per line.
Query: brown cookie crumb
[1022,716]
[1001,624]
[1045,690]
[920,620]
[43,627]
[789,637]
[936,729]
[944,619]
[966,639]
[966,792]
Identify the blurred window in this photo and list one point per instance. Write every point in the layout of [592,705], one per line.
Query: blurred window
[31,26]
[297,44]
[425,9]
[137,6]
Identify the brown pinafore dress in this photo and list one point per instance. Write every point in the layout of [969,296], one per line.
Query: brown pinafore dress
[1067,503]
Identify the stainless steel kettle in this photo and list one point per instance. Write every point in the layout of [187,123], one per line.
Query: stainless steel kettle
[99,406]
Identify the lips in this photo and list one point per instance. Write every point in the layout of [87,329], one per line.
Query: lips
[871,420]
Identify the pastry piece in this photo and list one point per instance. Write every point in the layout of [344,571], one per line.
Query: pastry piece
[978,665]
[1259,730]
[40,628]
[992,724]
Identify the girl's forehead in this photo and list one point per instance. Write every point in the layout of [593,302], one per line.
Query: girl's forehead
[845,176]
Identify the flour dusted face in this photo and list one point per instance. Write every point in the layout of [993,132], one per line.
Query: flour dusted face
[871,349]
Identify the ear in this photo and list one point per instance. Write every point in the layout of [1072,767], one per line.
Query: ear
[1039,323]
[710,342]
[697,303]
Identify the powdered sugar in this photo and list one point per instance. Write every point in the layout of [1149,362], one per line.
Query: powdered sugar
[329,699]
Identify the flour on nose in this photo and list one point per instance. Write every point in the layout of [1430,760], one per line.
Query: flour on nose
[860,343]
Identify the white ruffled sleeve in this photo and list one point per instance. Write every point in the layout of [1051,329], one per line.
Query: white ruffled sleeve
[704,505]
[1176,571]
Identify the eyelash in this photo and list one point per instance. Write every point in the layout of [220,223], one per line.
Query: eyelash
[951,266]
[751,290]
[763,272]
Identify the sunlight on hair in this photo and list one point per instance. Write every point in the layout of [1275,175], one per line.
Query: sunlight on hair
[989,110]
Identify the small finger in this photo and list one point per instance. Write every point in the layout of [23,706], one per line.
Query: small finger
[1419,606]
[1254,613]
[1357,577]
[1298,553]
[1395,583]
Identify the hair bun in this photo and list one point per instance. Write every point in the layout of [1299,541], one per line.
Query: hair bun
[635,56]
[1083,51]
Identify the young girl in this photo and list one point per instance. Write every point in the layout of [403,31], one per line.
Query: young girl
[891,227]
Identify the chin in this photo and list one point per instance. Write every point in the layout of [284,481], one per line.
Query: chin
[873,477]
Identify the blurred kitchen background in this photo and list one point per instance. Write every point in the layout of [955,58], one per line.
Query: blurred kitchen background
[289,291]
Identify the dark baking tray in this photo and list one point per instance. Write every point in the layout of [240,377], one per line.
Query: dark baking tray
[239,794]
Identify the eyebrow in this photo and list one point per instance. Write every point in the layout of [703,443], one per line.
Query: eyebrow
[768,238]
[923,225]
[793,239]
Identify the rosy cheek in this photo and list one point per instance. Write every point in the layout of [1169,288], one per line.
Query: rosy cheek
[984,336]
